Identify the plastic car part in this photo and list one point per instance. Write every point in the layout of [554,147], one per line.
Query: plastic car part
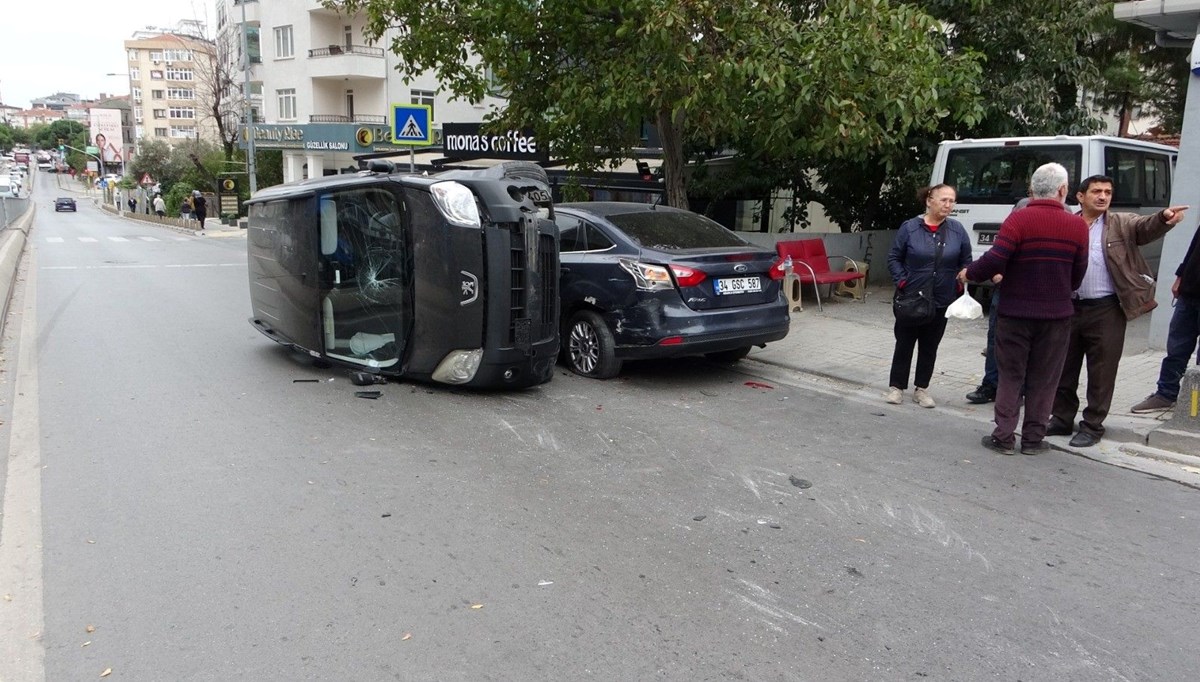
[590,347]
[729,356]
[457,203]
[458,367]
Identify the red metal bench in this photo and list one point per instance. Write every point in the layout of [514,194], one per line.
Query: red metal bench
[810,263]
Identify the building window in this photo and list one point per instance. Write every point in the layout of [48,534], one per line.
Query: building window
[253,45]
[177,55]
[132,54]
[348,33]
[156,55]
[137,115]
[423,97]
[156,74]
[160,132]
[287,104]
[156,94]
[178,74]
[183,112]
[181,93]
[183,133]
[283,42]
[137,94]
[160,113]
[135,74]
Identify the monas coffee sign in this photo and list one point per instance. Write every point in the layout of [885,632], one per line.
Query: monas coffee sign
[468,141]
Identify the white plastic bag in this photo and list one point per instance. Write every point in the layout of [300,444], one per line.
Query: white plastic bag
[964,308]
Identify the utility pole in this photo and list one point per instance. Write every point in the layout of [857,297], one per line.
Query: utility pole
[247,110]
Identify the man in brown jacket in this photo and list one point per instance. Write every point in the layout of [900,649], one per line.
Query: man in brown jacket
[1117,287]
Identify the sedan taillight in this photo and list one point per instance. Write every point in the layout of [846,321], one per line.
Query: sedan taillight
[688,277]
[779,268]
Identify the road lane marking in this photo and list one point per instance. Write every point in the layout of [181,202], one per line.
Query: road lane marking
[135,266]
[90,240]
[117,239]
[22,656]
[149,239]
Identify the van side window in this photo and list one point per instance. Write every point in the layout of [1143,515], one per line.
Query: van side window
[1140,178]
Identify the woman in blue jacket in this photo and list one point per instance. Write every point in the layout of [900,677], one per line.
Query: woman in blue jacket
[911,264]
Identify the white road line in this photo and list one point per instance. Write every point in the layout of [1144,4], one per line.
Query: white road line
[54,240]
[117,239]
[90,240]
[139,266]
[22,656]
[149,239]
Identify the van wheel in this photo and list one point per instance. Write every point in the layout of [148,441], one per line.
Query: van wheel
[728,357]
[590,348]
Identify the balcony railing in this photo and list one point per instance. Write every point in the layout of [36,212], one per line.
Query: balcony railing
[343,118]
[335,50]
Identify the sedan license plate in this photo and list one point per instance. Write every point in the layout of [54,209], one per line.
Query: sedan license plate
[738,285]
[986,238]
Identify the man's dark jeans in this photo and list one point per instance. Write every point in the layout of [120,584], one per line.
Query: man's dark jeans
[1181,342]
[991,376]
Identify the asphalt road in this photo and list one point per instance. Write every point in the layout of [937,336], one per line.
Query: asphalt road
[210,512]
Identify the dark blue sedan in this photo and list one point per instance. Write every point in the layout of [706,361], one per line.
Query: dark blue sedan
[641,281]
[64,204]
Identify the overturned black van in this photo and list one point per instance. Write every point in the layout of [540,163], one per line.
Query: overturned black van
[451,278]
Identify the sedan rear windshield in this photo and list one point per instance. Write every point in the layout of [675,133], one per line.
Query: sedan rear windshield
[675,231]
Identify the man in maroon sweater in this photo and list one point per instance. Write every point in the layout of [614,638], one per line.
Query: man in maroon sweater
[1042,253]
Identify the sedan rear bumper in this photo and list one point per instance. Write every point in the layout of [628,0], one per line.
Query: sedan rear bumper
[641,328]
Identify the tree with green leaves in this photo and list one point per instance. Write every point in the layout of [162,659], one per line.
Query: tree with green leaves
[834,77]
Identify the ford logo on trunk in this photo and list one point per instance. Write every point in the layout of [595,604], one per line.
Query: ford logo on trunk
[741,267]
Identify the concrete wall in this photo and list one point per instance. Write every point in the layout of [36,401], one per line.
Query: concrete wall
[11,209]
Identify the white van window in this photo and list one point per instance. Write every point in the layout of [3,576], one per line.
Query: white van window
[1000,175]
[1140,178]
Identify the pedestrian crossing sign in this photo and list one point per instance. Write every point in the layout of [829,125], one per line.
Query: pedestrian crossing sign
[411,125]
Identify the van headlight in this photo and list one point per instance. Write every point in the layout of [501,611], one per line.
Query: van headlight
[456,203]
[458,367]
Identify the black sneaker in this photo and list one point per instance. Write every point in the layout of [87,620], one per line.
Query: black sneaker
[986,393]
[1058,428]
[994,445]
[1036,448]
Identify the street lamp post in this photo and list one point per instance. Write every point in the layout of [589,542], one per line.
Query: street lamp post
[247,111]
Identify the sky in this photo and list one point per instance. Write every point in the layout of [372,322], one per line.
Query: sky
[54,46]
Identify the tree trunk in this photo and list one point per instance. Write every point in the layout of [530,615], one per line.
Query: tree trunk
[1126,116]
[672,146]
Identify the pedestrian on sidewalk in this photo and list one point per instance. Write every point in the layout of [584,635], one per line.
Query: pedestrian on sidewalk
[1041,251]
[160,206]
[1118,287]
[1183,334]
[927,251]
[200,207]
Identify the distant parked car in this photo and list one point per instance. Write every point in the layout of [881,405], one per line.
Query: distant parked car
[642,281]
[64,204]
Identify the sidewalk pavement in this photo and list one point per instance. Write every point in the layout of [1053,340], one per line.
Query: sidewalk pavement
[851,342]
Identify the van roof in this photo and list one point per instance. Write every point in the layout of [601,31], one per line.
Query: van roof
[1052,139]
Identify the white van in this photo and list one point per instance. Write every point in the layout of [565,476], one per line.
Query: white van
[8,190]
[992,175]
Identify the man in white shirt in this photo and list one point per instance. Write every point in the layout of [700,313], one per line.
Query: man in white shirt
[1117,287]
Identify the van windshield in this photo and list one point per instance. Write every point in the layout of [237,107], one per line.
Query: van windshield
[1000,175]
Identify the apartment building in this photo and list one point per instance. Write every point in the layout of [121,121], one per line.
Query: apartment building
[173,78]
[317,89]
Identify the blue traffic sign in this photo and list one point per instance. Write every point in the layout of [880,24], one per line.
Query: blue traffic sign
[411,124]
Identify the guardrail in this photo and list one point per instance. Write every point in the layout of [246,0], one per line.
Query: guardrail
[336,50]
[343,118]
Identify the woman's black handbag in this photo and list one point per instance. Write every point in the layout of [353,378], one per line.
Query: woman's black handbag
[915,307]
